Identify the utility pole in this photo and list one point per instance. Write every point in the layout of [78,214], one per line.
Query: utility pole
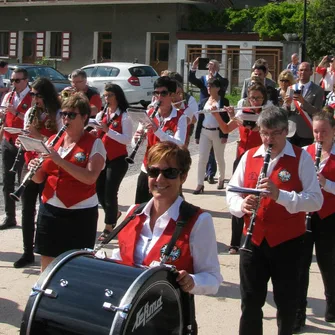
[304,28]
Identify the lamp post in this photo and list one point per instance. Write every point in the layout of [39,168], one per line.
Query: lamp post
[303,43]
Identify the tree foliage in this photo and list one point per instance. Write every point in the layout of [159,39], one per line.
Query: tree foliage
[274,20]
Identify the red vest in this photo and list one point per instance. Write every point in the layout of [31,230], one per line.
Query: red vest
[248,139]
[328,206]
[181,256]
[273,221]
[114,148]
[14,121]
[68,189]
[169,127]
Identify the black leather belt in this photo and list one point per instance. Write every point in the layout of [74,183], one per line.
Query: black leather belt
[211,128]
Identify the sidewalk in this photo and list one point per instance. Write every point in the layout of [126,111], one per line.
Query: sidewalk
[219,314]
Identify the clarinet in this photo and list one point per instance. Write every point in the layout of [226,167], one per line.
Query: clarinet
[247,242]
[21,149]
[2,121]
[16,195]
[130,159]
[308,219]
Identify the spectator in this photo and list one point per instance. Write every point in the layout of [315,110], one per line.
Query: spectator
[285,80]
[294,65]
[307,100]
[327,70]
[3,71]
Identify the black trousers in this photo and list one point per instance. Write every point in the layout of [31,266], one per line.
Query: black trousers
[281,264]
[108,185]
[142,189]
[237,224]
[29,198]
[323,237]
[9,152]
[211,166]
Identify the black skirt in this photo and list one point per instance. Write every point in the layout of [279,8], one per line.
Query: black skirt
[60,230]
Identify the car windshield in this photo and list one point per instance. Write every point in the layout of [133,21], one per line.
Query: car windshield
[35,72]
[142,71]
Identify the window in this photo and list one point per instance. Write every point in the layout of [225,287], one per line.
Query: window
[56,44]
[105,46]
[215,52]
[4,43]
[142,71]
[193,51]
[89,71]
[107,71]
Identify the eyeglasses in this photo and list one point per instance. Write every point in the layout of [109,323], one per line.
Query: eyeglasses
[109,95]
[272,135]
[70,115]
[284,80]
[169,173]
[36,95]
[161,93]
[256,98]
[17,80]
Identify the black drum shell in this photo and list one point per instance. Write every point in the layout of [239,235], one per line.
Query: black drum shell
[152,294]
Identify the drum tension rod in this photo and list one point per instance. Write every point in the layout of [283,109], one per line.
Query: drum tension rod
[47,292]
[110,307]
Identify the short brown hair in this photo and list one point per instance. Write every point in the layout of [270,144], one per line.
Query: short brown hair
[80,101]
[170,151]
[261,88]
[327,114]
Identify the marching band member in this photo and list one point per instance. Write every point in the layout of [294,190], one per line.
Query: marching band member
[143,239]
[168,125]
[116,133]
[326,69]
[249,138]
[277,239]
[16,104]
[208,134]
[322,232]
[79,84]
[46,121]
[68,213]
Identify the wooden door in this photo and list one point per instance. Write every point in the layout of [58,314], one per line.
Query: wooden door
[29,47]
[160,59]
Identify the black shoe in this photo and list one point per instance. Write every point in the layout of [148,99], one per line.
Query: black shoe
[211,180]
[7,223]
[299,323]
[24,261]
[206,178]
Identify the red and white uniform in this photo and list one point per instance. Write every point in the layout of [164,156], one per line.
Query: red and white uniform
[328,76]
[21,103]
[118,135]
[292,171]
[61,189]
[195,250]
[327,168]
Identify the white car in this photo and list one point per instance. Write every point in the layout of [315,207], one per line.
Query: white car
[136,80]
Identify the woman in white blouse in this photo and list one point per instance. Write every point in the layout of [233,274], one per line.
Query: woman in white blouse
[116,133]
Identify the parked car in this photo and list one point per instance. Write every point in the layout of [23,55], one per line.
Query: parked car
[136,80]
[35,71]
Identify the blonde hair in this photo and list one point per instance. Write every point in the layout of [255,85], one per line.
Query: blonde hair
[286,75]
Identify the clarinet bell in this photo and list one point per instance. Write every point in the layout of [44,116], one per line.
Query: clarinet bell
[129,160]
[16,195]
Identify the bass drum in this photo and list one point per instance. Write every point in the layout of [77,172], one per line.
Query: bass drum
[81,294]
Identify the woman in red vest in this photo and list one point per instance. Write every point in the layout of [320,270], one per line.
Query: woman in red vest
[68,213]
[249,138]
[42,121]
[322,233]
[143,240]
[116,133]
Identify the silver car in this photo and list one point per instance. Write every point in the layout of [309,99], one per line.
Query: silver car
[136,80]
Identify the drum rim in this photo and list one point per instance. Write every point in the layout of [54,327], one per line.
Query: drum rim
[47,275]
[133,290]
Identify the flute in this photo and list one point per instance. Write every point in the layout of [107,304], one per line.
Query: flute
[206,111]
[308,219]
[16,195]
[247,242]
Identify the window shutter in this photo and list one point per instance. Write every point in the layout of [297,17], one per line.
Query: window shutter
[12,44]
[66,39]
[40,44]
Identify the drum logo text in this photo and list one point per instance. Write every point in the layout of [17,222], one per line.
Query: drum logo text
[147,312]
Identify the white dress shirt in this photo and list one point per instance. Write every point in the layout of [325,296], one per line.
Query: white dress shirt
[203,247]
[310,199]
[330,185]
[127,127]
[18,97]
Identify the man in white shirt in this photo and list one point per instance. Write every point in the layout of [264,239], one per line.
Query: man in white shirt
[279,226]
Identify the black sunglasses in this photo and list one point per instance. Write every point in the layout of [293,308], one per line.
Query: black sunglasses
[17,80]
[37,95]
[162,93]
[284,80]
[169,173]
[70,115]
